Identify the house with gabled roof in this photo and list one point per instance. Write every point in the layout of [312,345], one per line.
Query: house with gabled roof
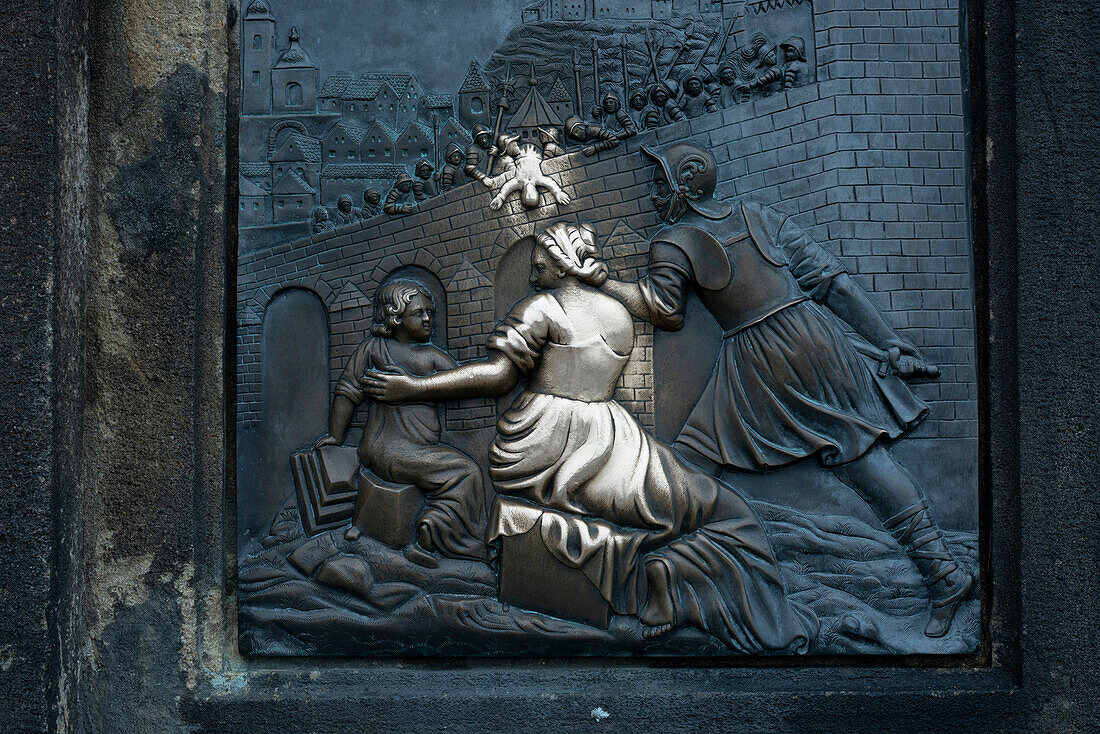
[474,98]
[253,203]
[298,153]
[341,144]
[407,94]
[292,199]
[415,142]
[357,101]
[332,92]
[452,132]
[377,145]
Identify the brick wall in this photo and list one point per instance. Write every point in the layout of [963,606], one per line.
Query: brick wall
[871,160]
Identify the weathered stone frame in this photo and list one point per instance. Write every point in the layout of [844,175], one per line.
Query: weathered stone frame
[118,606]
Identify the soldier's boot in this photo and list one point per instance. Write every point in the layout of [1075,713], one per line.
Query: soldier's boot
[948,583]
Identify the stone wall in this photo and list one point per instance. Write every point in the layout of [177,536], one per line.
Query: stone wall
[871,160]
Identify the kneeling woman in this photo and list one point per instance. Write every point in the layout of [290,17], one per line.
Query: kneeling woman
[696,553]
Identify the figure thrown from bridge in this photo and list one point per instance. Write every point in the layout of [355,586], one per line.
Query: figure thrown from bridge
[522,173]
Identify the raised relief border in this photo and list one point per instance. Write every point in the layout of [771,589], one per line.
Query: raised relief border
[653,336]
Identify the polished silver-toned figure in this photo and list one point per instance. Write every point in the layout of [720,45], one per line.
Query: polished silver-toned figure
[660,538]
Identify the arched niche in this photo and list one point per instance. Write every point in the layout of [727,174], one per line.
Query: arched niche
[294,402]
[428,279]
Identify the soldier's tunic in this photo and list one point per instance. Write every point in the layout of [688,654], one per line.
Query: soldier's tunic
[789,383]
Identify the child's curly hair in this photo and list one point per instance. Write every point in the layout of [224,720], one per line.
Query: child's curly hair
[390,302]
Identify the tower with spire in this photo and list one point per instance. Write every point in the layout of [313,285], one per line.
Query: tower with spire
[473,98]
[257,53]
[294,79]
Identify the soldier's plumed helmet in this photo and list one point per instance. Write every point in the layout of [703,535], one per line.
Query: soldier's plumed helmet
[797,45]
[692,175]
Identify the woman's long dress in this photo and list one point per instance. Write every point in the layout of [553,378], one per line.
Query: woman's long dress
[621,500]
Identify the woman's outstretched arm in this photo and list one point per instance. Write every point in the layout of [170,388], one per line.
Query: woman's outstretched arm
[491,377]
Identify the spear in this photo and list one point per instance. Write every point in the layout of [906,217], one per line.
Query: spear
[704,55]
[435,141]
[502,106]
[652,58]
[725,38]
[626,73]
[577,80]
[688,33]
[595,71]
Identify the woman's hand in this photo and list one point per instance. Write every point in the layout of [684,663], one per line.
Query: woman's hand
[389,387]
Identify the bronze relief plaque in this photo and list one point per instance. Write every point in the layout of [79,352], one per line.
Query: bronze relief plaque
[605,327]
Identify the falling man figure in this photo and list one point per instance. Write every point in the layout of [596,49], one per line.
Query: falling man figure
[402,444]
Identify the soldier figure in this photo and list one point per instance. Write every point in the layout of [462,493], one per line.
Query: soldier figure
[345,212]
[771,73]
[476,159]
[321,222]
[551,148]
[638,103]
[615,119]
[665,108]
[452,168]
[372,200]
[794,60]
[576,129]
[730,92]
[402,189]
[424,187]
[697,99]
[790,383]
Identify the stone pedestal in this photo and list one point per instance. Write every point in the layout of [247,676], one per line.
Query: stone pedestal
[531,577]
[324,483]
[387,512]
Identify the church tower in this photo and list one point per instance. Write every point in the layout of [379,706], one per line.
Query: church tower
[257,53]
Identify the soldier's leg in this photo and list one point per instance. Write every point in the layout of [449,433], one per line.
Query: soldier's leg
[899,502]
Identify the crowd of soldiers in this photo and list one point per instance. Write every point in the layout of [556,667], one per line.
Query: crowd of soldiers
[755,67]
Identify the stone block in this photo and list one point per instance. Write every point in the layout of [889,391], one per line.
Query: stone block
[532,578]
[386,511]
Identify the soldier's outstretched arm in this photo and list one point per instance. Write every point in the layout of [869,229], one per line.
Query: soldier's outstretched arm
[630,295]
[852,304]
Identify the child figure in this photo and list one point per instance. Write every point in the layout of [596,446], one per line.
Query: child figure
[401,444]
